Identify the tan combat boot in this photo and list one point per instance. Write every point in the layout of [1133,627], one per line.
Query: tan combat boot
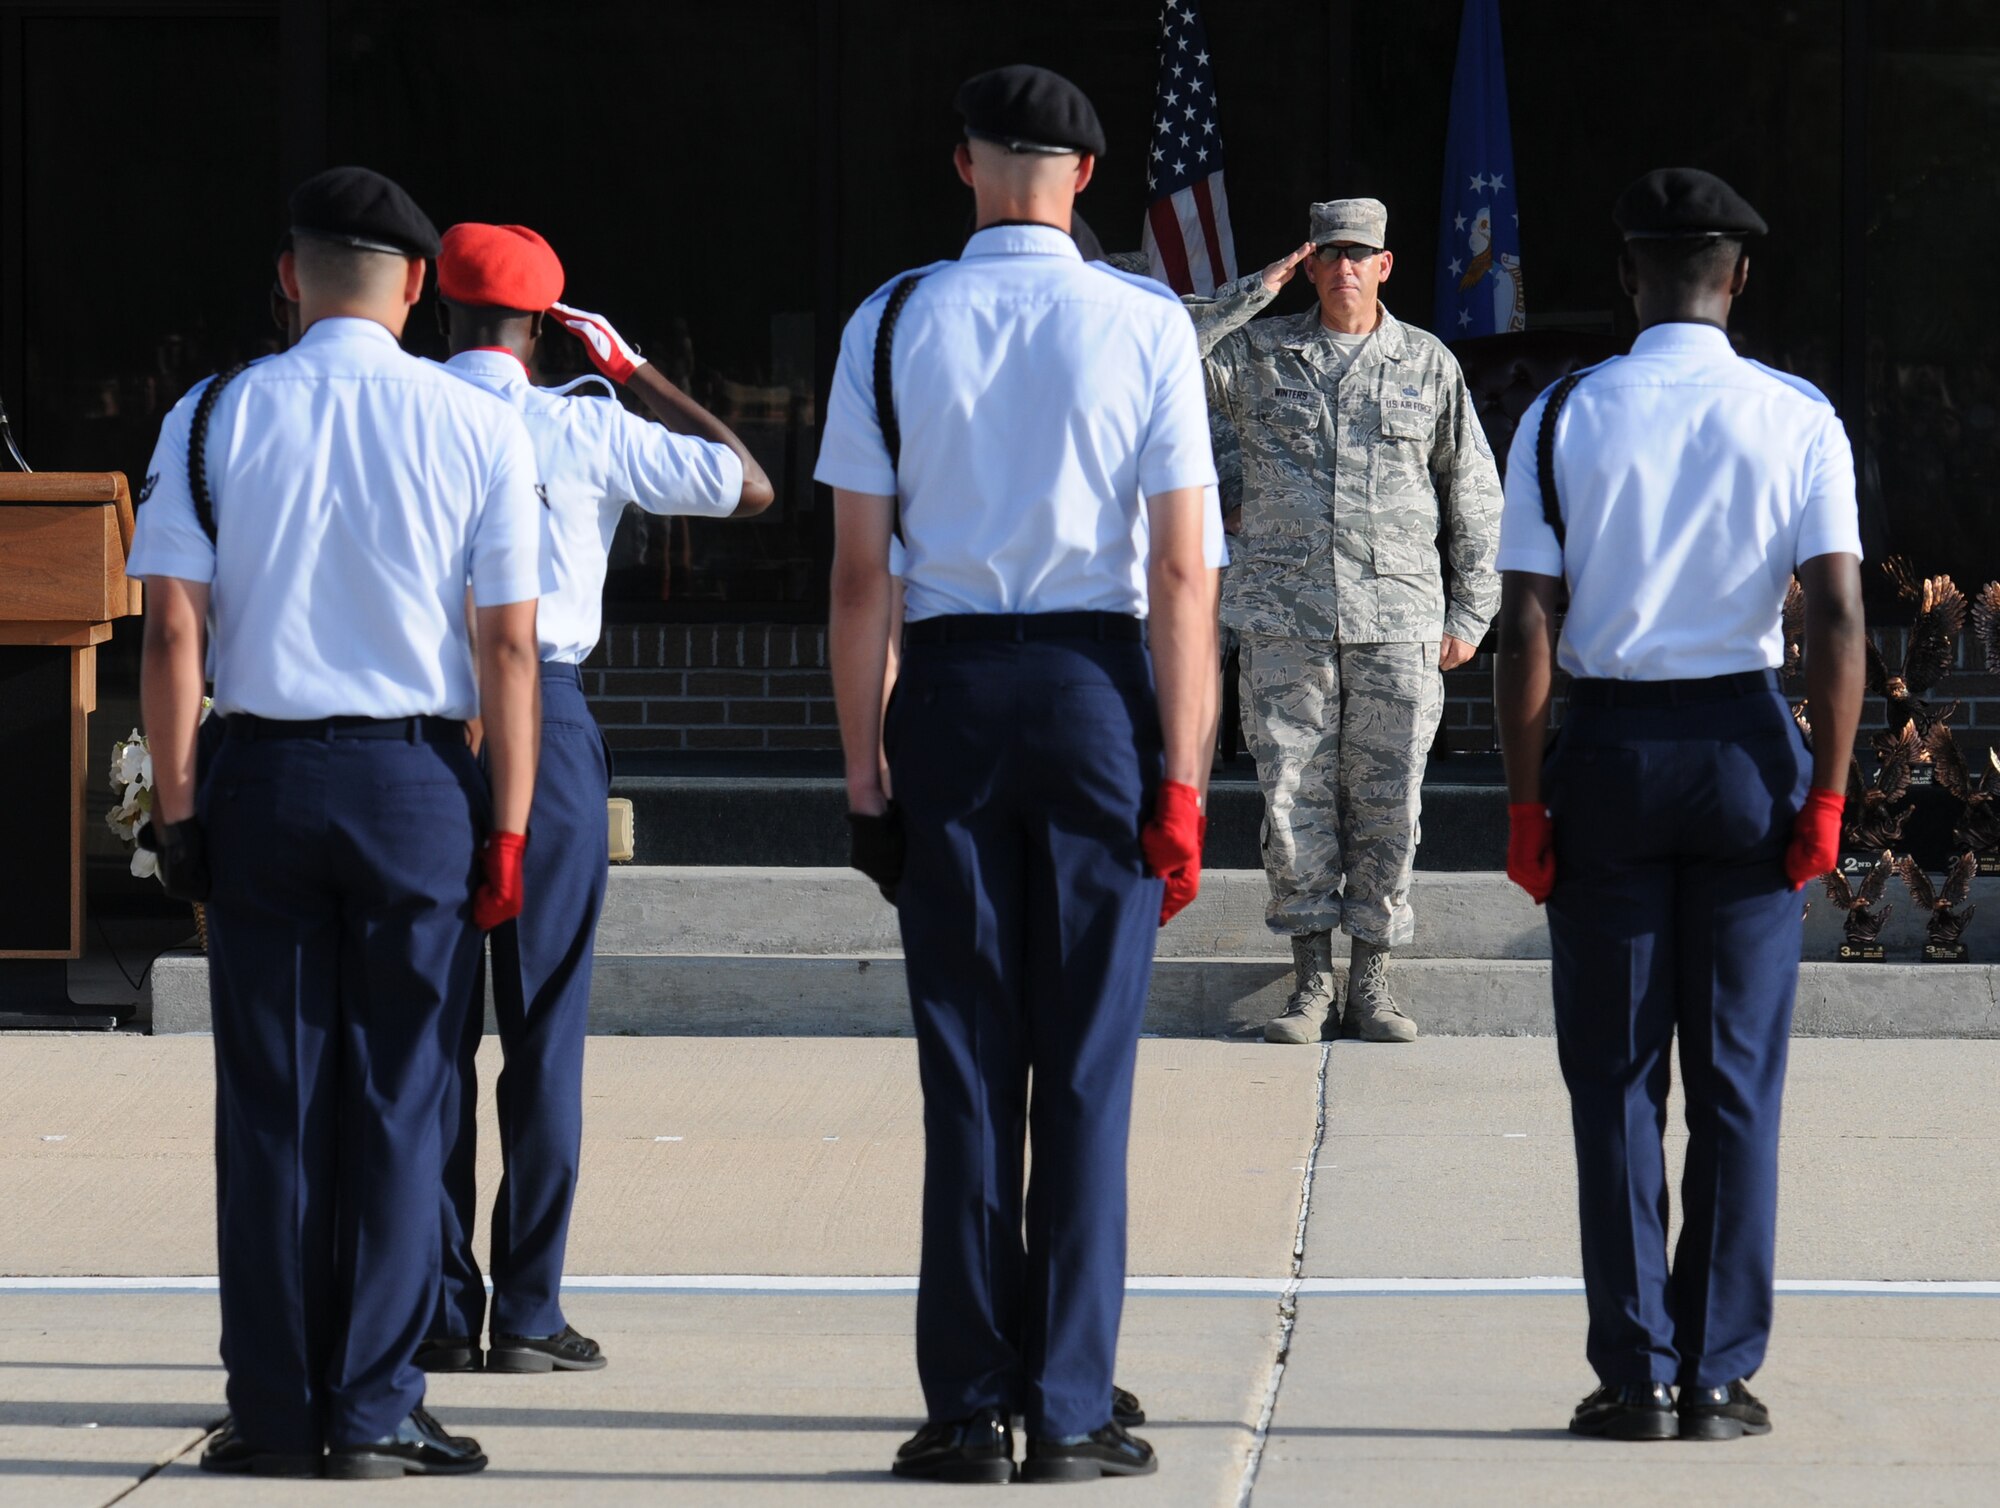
[1372,1013]
[1313,1001]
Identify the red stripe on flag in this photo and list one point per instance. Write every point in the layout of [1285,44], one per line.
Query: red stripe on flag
[1167,240]
[1205,207]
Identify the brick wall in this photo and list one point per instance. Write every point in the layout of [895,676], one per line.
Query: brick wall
[765,686]
[712,686]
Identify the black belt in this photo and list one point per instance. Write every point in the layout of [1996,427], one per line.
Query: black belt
[410,729]
[966,628]
[1715,688]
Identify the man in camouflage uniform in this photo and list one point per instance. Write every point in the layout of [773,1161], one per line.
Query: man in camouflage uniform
[1360,453]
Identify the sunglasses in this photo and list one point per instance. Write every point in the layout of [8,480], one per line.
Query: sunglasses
[1330,253]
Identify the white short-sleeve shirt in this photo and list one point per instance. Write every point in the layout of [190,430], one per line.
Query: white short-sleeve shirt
[1692,483]
[357,490]
[595,457]
[1041,399]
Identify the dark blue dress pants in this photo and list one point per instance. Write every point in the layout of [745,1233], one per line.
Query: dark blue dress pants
[341,951]
[1672,916]
[541,1004]
[1024,770]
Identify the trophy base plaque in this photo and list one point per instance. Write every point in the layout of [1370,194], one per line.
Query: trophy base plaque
[1989,865]
[1863,953]
[1945,953]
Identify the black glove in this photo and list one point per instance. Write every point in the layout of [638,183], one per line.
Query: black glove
[875,847]
[183,852]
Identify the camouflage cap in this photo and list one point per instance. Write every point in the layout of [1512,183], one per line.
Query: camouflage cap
[1362,221]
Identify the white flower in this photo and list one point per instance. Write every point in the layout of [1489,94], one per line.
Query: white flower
[128,759]
[146,770]
[145,863]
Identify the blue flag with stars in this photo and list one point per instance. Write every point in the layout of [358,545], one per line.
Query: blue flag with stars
[1479,227]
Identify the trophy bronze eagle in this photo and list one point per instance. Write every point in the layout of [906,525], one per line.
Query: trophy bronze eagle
[1979,823]
[1947,923]
[1986,625]
[1930,654]
[1862,926]
[1794,621]
[1877,811]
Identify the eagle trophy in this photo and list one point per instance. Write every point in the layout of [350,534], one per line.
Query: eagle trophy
[1876,812]
[1986,625]
[1794,623]
[1929,656]
[1863,927]
[1979,822]
[1947,924]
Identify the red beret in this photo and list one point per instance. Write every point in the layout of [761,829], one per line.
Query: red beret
[499,267]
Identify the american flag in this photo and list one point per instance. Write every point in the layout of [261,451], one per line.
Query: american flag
[1187,237]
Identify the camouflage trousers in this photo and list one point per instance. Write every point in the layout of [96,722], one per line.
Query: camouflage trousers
[1340,733]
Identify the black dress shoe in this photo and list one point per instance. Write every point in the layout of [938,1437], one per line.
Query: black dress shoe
[1125,1408]
[567,1352]
[1725,1413]
[232,1455]
[448,1353]
[979,1448]
[1108,1452]
[1627,1411]
[418,1448]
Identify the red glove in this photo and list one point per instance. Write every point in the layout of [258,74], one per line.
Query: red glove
[608,350]
[1171,841]
[1815,845]
[1531,849]
[498,898]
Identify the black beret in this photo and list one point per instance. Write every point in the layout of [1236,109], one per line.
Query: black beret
[362,208]
[1680,202]
[1029,109]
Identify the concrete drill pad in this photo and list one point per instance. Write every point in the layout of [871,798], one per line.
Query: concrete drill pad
[757,1400]
[732,1155]
[1423,1401]
[97,1391]
[1452,1157]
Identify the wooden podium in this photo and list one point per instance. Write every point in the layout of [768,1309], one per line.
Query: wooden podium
[64,537]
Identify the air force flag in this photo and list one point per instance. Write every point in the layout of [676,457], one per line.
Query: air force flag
[1479,229]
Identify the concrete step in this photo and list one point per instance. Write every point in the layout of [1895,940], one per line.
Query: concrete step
[665,910]
[815,952]
[851,996]
[725,909]
[800,819]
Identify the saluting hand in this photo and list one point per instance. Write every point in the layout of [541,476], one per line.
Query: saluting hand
[608,350]
[1282,271]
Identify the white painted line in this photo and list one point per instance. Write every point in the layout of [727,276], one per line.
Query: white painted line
[1365,1286]
[1143,1287]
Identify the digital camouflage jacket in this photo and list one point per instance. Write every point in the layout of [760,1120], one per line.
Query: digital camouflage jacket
[1350,485]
